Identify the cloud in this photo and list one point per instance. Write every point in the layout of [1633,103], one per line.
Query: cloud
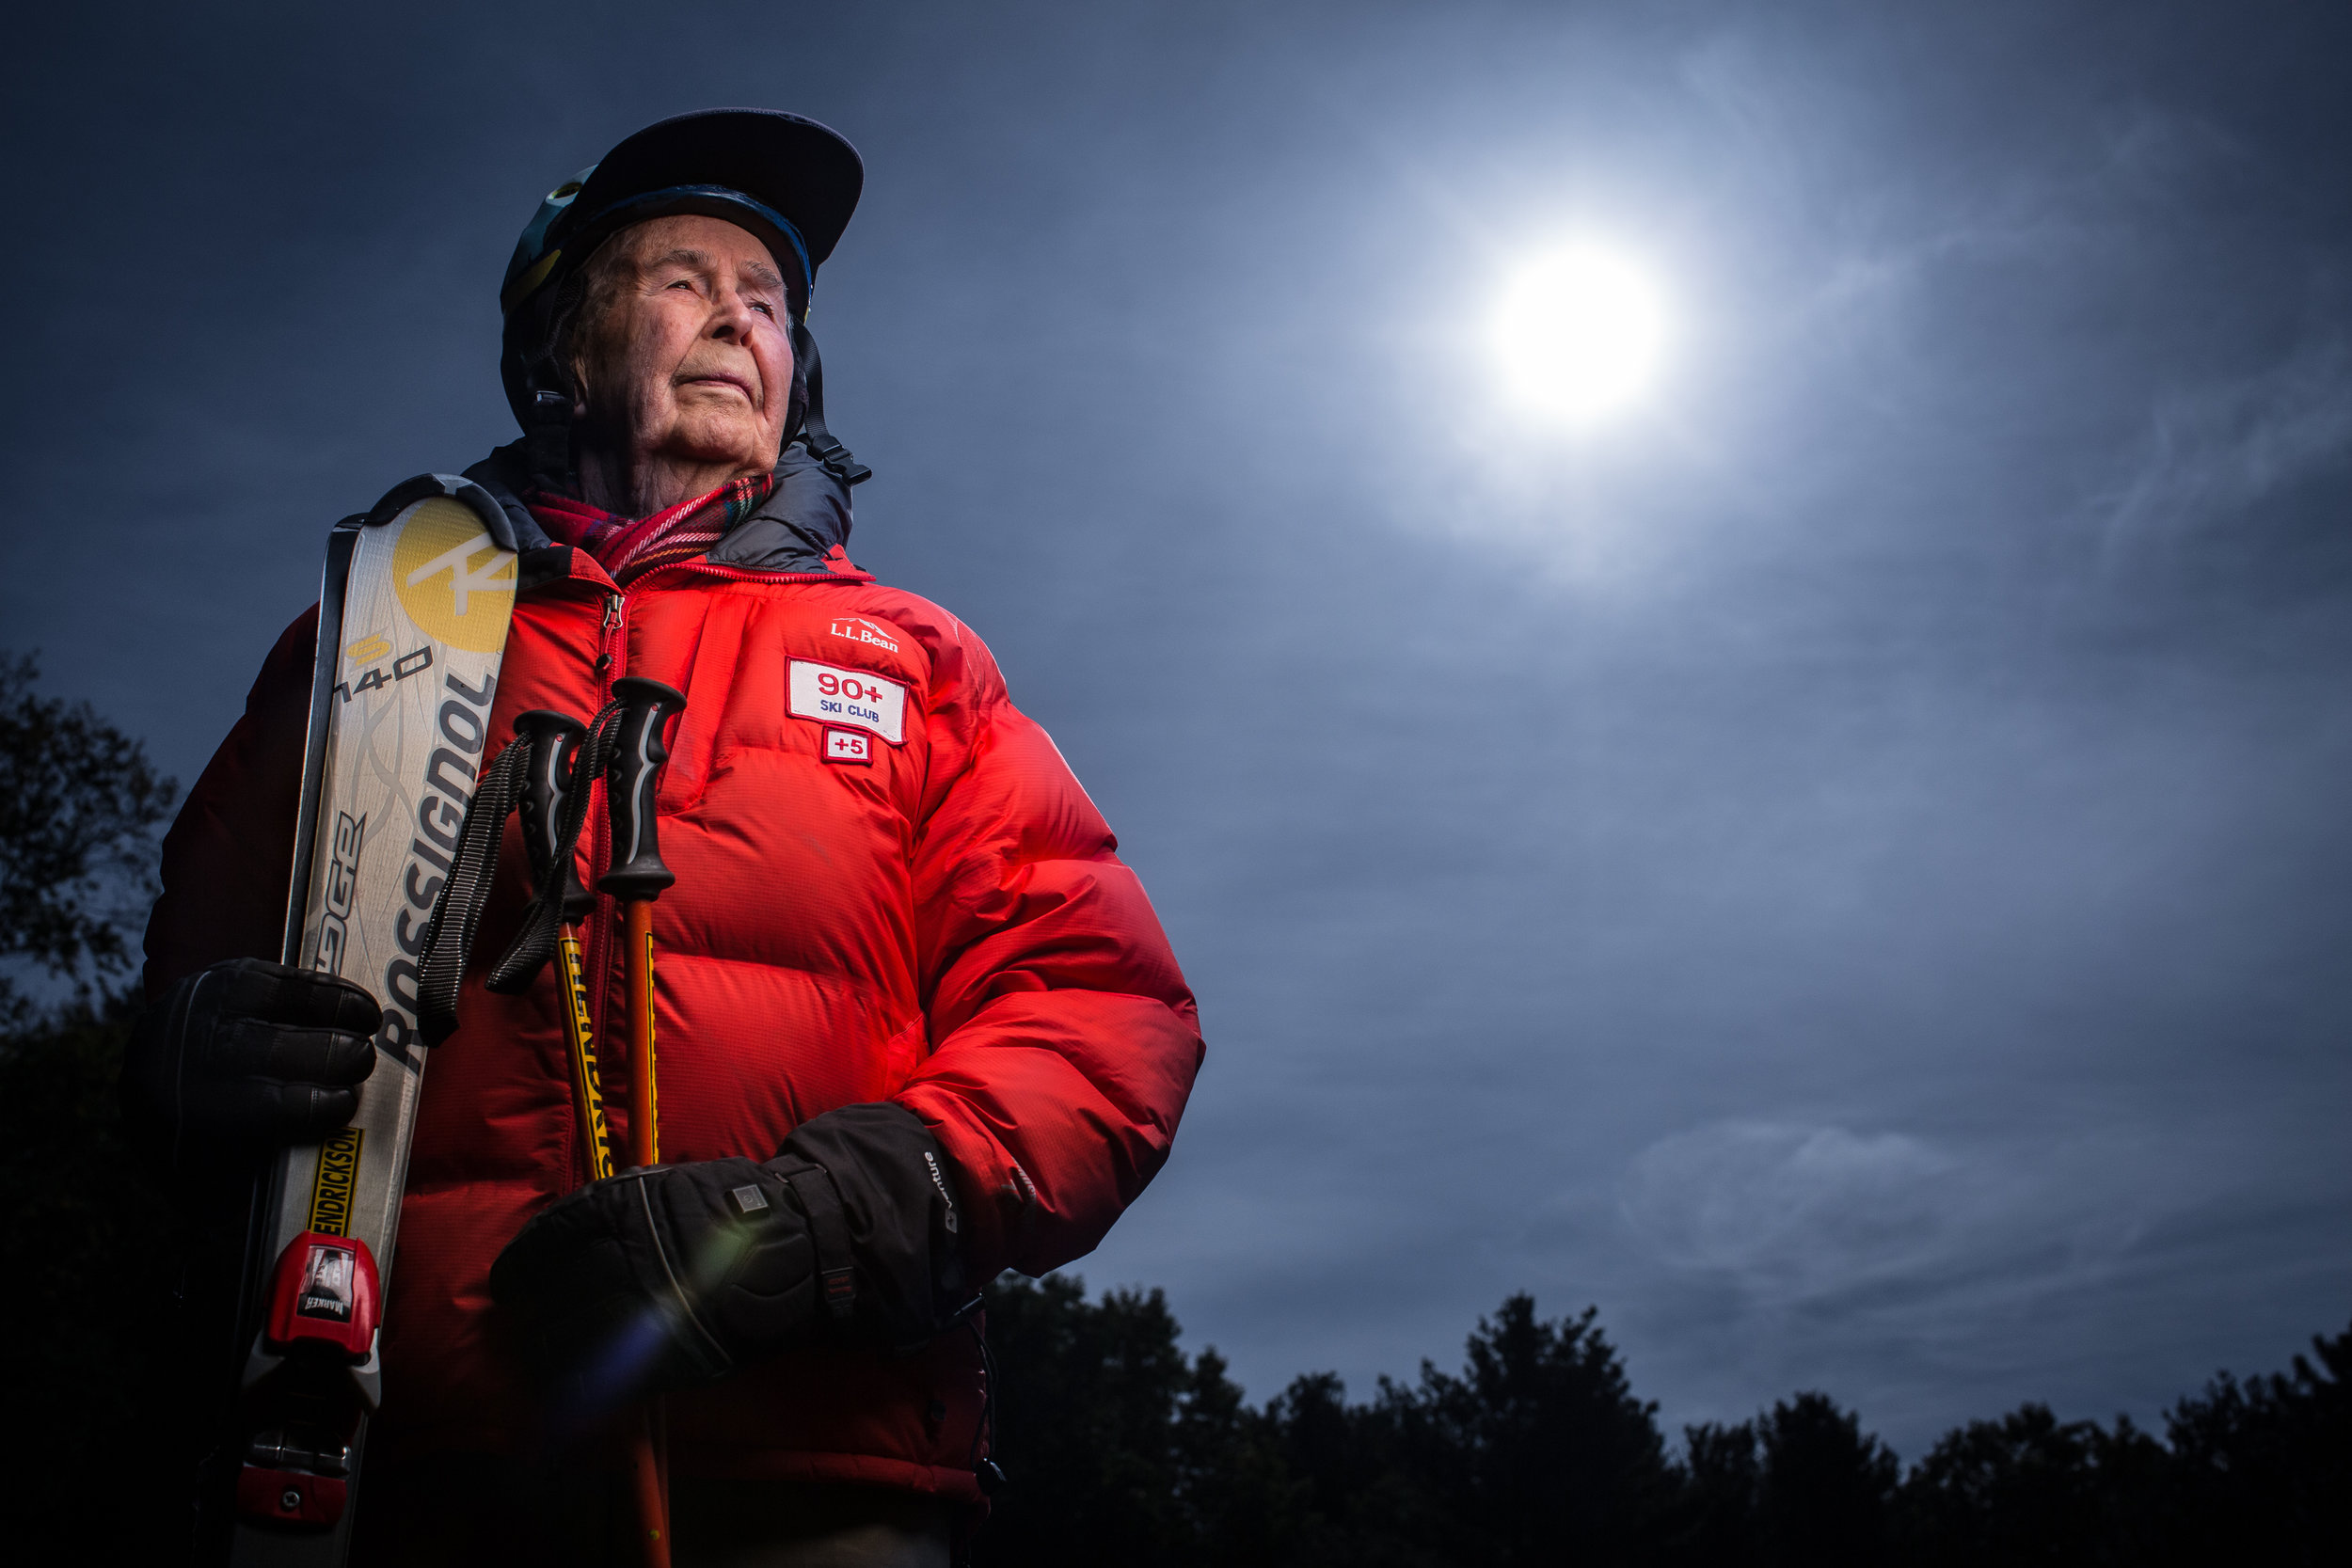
[1796,1215]
[2211,452]
[2047,1260]
[1796,1210]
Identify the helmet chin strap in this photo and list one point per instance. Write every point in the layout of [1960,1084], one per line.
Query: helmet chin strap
[547,441]
[837,459]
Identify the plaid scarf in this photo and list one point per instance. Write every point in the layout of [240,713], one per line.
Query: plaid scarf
[629,548]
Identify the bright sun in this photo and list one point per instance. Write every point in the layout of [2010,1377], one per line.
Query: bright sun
[1579,333]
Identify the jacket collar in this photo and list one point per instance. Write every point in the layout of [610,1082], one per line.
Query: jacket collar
[798,528]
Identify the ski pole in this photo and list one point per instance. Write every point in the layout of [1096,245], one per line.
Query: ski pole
[555,739]
[636,878]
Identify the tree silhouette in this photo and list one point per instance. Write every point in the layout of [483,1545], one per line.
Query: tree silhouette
[2027,1489]
[1721,1477]
[1825,1489]
[1799,1484]
[79,802]
[2262,1469]
[1539,1450]
[86,1248]
[1356,1499]
[1110,1433]
[1122,1449]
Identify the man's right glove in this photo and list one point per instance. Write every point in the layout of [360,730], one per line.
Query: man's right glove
[677,1275]
[244,1058]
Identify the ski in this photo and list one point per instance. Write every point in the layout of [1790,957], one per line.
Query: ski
[413,613]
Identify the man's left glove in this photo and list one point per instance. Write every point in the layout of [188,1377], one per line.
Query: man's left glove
[677,1275]
[240,1060]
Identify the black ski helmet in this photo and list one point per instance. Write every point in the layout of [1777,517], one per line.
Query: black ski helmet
[784,177]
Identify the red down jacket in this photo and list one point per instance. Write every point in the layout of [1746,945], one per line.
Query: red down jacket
[945,926]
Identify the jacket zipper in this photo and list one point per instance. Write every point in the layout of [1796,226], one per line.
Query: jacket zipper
[612,639]
[743,574]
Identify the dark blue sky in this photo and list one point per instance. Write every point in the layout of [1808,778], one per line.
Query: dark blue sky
[1847,867]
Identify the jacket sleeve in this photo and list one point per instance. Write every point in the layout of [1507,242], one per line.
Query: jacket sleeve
[230,852]
[1065,1040]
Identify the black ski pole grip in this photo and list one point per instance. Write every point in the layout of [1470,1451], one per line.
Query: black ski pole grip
[638,755]
[554,740]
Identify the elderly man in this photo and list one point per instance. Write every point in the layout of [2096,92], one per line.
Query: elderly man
[911,964]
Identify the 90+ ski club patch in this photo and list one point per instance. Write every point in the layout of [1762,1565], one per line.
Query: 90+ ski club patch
[855,698]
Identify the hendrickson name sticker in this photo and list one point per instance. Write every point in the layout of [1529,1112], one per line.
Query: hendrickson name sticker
[857,699]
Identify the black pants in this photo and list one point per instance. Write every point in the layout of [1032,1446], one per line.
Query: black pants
[458,1511]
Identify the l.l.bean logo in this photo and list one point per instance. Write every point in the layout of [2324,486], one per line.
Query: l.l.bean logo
[453,581]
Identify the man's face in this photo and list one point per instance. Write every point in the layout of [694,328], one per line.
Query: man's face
[687,358]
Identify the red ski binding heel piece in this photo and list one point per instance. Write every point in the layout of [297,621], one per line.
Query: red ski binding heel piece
[311,1376]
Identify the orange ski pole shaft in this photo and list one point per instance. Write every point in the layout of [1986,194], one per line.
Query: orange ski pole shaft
[648,1461]
[645,1123]
[649,1489]
[637,879]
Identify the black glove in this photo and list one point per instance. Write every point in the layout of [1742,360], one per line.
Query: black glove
[244,1058]
[677,1275]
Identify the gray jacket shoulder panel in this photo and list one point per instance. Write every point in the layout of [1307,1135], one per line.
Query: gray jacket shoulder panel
[801,523]
[503,473]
